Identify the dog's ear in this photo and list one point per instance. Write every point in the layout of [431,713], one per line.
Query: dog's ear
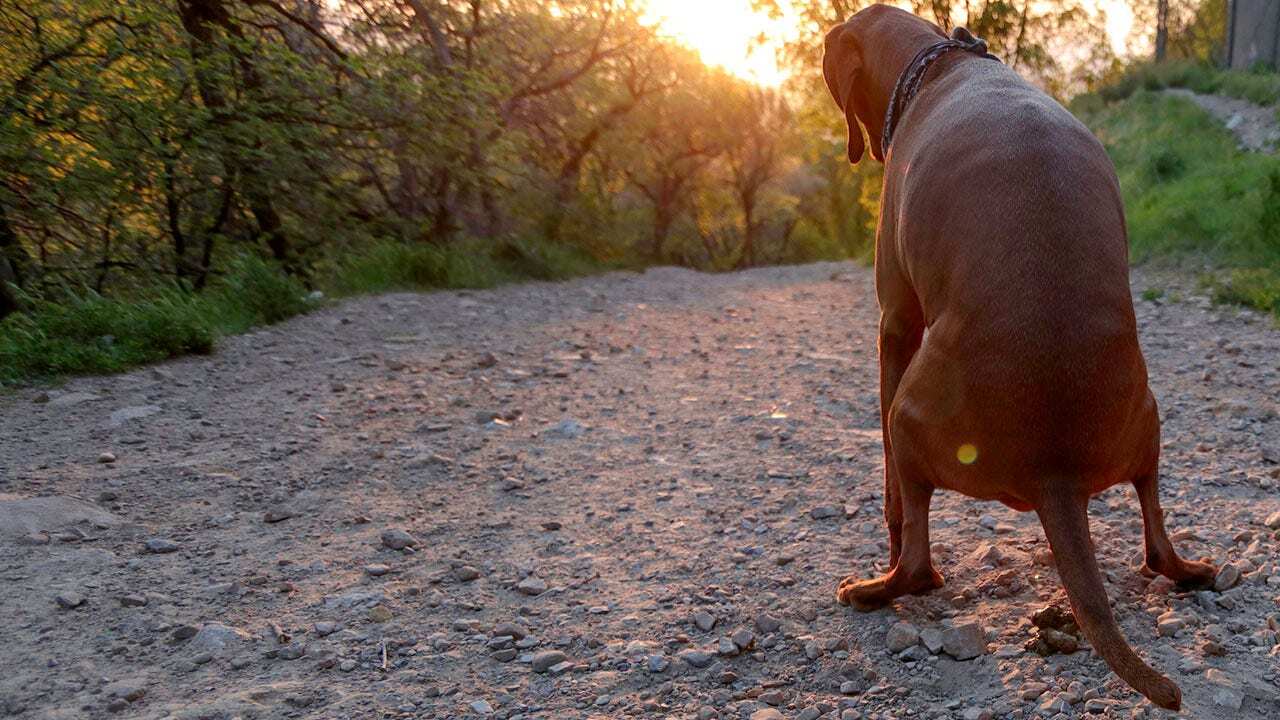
[856,145]
[842,69]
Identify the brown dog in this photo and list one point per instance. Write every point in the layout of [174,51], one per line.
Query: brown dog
[1009,360]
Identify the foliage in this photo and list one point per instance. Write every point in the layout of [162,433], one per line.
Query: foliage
[1190,192]
[1259,87]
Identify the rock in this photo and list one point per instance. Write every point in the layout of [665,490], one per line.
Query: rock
[744,639]
[377,569]
[278,513]
[465,573]
[347,665]
[657,663]
[704,620]
[1059,642]
[986,554]
[852,687]
[532,586]
[810,713]
[398,539]
[1228,576]
[217,639]
[1273,520]
[931,638]
[161,545]
[379,614]
[696,658]
[823,512]
[567,429]
[976,713]
[124,415]
[106,458]
[133,600]
[766,714]
[184,632]
[560,668]
[510,629]
[292,651]
[1053,616]
[726,647]
[901,636]
[325,628]
[767,624]
[964,642]
[542,661]
[69,600]
[481,707]
[987,522]
[23,518]
[128,690]
[1230,698]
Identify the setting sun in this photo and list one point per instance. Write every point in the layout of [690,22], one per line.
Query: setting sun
[730,34]
[727,33]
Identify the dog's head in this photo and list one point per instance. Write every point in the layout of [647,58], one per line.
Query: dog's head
[854,66]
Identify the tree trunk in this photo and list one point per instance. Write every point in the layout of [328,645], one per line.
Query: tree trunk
[199,19]
[1162,29]
[10,269]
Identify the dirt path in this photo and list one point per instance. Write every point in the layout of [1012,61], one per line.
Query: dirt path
[629,495]
[1257,126]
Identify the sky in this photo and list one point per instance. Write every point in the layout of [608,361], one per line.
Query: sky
[724,32]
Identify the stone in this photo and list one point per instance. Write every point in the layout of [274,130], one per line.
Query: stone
[560,668]
[292,651]
[481,707]
[657,663]
[106,458]
[398,539]
[766,714]
[824,512]
[542,661]
[726,647]
[532,586]
[133,600]
[744,639]
[1228,577]
[69,600]
[1273,520]
[696,658]
[128,690]
[379,614]
[465,573]
[510,629]
[767,624]
[161,545]
[278,513]
[377,569]
[1227,697]
[810,713]
[31,520]
[704,620]
[931,638]
[964,642]
[325,628]
[901,636]
[217,639]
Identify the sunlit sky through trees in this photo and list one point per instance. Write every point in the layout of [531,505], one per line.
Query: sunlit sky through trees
[730,34]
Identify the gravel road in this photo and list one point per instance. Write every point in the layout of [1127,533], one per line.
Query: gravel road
[624,496]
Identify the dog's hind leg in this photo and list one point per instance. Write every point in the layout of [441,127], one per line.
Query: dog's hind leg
[1161,557]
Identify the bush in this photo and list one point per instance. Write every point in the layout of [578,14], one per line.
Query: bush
[80,334]
[1257,86]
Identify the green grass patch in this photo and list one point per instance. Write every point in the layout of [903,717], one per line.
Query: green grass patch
[1189,192]
[79,334]
[1261,87]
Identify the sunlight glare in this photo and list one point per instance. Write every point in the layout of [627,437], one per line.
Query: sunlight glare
[725,33]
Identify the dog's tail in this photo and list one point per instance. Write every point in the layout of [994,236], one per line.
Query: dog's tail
[1066,524]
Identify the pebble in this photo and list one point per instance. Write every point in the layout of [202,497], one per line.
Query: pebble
[465,573]
[324,627]
[107,458]
[398,539]
[704,620]
[744,639]
[278,514]
[377,569]
[964,642]
[133,600]
[931,638]
[379,613]
[161,545]
[532,586]
[510,629]
[767,624]
[129,690]
[824,512]
[69,600]
[481,707]
[1273,520]
[901,636]
[696,658]
[658,663]
[544,660]
[766,714]
[1227,578]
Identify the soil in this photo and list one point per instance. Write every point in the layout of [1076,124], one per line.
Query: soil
[628,495]
[1257,126]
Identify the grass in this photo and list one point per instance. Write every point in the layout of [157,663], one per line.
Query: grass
[90,334]
[1259,87]
[1189,192]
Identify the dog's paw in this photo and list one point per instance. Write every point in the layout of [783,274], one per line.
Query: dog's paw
[878,592]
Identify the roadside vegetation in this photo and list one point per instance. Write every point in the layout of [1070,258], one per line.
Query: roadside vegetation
[1191,194]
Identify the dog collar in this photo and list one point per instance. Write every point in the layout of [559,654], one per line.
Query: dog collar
[912,77]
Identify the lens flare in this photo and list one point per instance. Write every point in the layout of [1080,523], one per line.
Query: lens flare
[967,454]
